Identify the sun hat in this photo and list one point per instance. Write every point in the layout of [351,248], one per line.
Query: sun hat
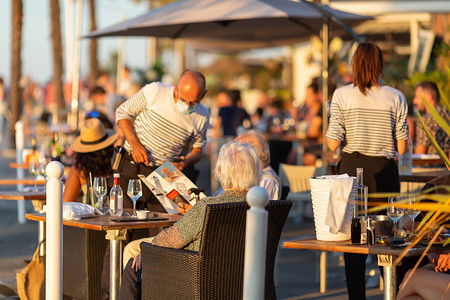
[93,136]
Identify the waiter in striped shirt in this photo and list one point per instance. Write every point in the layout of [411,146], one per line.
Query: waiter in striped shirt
[160,123]
[369,120]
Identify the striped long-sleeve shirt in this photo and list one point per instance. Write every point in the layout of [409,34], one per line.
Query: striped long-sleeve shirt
[160,127]
[368,124]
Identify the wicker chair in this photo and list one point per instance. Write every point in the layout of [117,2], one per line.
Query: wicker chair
[83,254]
[216,271]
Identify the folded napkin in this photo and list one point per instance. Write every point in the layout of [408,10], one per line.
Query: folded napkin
[340,189]
[77,210]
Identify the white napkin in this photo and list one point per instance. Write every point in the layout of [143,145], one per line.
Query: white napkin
[77,210]
[340,189]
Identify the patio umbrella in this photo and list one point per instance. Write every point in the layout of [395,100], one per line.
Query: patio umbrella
[235,24]
[242,24]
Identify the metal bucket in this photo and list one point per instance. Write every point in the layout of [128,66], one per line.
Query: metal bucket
[383,225]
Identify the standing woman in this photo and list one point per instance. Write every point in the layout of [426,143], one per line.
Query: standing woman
[369,119]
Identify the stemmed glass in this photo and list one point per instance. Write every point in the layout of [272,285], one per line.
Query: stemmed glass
[34,170]
[134,192]
[100,188]
[411,212]
[395,213]
[42,166]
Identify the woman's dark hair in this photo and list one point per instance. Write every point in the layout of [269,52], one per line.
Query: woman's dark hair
[98,163]
[367,66]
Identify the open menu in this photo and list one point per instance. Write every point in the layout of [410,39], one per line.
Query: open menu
[170,185]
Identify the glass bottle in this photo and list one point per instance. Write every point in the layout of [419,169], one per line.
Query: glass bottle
[33,154]
[405,160]
[361,192]
[116,197]
[360,200]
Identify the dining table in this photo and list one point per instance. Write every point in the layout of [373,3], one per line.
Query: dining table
[418,160]
[386,256]
[415,181]
[115,232]
[38,200]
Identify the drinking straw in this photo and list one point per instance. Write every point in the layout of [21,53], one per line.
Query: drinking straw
[91,189]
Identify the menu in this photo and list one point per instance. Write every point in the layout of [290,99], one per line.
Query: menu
[169,185]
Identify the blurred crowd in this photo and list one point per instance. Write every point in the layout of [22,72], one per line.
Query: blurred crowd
[282,121]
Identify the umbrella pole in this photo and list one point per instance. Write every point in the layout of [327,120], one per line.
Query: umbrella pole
[73,122]
[325,46]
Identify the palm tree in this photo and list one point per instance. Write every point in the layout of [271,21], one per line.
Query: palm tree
[440,24]
[93,46]
[57,53]
[16,66]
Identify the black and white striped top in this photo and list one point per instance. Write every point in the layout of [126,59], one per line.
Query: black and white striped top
[368,124]
[165,132]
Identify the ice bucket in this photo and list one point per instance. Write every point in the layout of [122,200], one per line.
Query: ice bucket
[320,194]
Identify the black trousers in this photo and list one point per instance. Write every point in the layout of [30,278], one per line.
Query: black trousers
[128,169]
[380,175]
[130,288]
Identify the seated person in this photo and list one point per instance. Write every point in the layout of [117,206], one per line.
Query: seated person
[430,92]
[270,180]
[238,169]
[426,284]
[93,152]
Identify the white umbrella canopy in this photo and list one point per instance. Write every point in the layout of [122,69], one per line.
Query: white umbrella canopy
[234,24]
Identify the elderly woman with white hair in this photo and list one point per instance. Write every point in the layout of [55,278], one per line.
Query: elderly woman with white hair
[238,168]
[269,179]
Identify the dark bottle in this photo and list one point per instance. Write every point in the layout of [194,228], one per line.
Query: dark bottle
[356,231]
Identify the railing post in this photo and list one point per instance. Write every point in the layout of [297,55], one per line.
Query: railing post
[20,145]
[255,244]
[54,262]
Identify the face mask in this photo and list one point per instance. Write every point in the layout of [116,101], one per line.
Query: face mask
[184,108]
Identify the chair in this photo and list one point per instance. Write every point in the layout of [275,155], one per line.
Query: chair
[284,192]
[216,271]
[297,178]
[83,255]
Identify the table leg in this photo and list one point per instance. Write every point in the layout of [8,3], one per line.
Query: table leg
[41,237]
[323,271]
[38,206]
[390,276]
[115,271]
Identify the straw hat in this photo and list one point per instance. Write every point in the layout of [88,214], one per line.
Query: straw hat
[93,136]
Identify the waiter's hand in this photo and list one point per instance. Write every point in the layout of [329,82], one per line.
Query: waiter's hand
[179,164]
[139,154]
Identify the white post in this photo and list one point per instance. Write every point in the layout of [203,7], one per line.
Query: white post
[255,244]
[54,263]
[20,145]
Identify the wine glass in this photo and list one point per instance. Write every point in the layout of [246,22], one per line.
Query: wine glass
[34,170]
[42,166]
[395,213]
[100,187]
[412,212]
[134,192]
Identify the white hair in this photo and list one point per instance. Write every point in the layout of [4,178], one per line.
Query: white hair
[255,138]
[238,166]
